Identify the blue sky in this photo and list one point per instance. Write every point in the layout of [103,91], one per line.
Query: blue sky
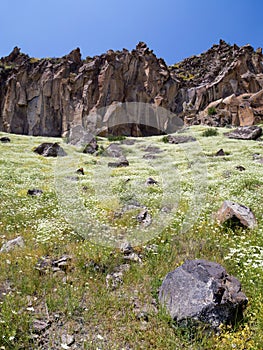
[173,29]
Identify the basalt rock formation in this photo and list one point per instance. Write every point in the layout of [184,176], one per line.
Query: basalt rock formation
[49,96]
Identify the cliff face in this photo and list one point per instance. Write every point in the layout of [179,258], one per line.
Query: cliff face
[49,96]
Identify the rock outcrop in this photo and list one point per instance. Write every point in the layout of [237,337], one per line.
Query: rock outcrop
[50,96]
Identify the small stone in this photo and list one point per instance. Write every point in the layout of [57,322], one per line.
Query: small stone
[40,326]
[126,248]
[144,218]
[240,168]
[67,339]
[80,171]
[133,257]
[220,153]
[151,181]
[35,192]
[180,139]
[5,139]
[122,162]
[142,316]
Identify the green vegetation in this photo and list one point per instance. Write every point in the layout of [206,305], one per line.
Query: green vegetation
[210,132]
[165,139]
[75,300]
[211,111]
[116,138]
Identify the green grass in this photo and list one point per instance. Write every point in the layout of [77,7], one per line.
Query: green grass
[210,132]
[59,222]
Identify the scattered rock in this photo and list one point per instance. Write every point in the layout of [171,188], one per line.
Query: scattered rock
[133,257]
[128,142]
[35,192]
[126,248]
[5,288]
[227,173]
[12,244]
[151,181]
[153,149]
[220,153]
[72,178]
[114,150]
[202,291]
[245,133]
[180,139]
[149,156]
[91,147]
[240,168]
[122,162]
[40,326]
[48,149]
[80,171]
[142,316]
[67,340]
[144,218]
[115,279]
[236,214]
[5,139]
[46,264]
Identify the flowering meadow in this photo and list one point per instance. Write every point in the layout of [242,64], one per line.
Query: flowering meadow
[53,290]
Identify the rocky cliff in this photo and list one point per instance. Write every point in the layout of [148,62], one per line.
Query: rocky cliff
[48,96]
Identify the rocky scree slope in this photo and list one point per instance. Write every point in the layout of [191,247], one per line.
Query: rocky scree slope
[48,96]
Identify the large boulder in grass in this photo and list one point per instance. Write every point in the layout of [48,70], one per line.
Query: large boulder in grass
[245,133]
[48,149]
[236,214]
[113,150]
[202,291]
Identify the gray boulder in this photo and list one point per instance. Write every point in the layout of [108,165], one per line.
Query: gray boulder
[245,133]
[121,162]
[180,139]
[12,244]
[113,150]
[237,214]
[202,291]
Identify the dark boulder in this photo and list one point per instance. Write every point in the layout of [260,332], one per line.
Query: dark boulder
[245,133]
[5,139]
[35,192]
[80,171]
[151,181]
[202,291]
[220,153]
[48,149]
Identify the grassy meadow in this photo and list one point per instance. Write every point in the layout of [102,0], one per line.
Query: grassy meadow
[80,218]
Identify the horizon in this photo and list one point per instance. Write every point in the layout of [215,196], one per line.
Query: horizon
[83,57]
[174,30]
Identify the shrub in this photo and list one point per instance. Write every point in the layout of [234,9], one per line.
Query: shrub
[211,111]
[165,139]
[210,132]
